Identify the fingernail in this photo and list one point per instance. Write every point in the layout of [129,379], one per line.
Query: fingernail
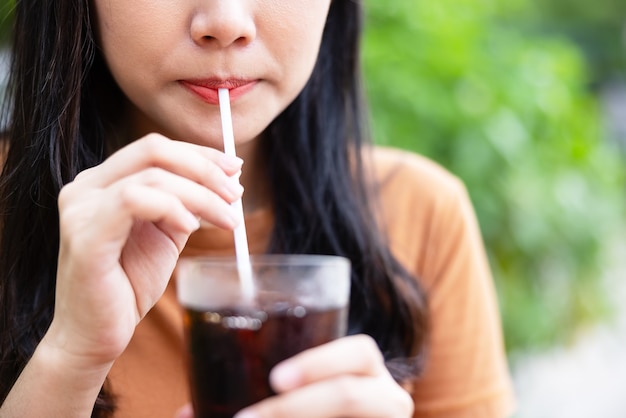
[185,412]
[245,413]
[192,221]
[234,217]
[284,377]
[231,162]
[234,187]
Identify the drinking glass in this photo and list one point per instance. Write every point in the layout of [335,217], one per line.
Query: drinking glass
[233,340]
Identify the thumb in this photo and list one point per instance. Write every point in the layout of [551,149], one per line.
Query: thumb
[185,412]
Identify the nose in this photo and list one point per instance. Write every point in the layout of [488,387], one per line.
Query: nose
[223,23]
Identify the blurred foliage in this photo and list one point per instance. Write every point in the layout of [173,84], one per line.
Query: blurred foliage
[6,13]
[598,28]
[508,111]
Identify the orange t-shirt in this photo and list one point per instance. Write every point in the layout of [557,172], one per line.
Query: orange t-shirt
[432,230]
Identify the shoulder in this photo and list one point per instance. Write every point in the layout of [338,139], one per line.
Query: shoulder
[409,182]
[425,211]
[430,224]
[387,159]
[403,174]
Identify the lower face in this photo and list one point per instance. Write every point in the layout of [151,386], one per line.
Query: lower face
[169,57]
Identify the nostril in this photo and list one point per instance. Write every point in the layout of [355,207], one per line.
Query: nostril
[223,29]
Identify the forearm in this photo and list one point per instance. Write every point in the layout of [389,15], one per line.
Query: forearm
[53,385]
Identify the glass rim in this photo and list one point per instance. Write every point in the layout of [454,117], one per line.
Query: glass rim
[267,260]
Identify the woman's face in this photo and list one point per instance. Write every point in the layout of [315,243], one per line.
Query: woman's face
[170,56]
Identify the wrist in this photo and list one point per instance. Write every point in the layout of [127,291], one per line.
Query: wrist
[81,370]
[60,383]
[85,351]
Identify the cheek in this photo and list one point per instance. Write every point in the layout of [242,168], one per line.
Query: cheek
[298,41]
[133,35]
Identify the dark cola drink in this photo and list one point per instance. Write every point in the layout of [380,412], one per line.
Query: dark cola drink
[233,350]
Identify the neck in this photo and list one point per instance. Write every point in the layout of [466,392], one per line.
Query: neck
[256,194]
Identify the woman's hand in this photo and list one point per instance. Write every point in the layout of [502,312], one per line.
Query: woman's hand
[122,227]
[344,378]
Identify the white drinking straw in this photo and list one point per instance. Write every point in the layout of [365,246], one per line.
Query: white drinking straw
[241,240]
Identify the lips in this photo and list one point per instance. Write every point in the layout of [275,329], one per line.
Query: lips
[207,89]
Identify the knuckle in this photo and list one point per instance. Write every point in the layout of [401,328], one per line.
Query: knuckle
[406,404]
[152,139]
[83,174]
[152,145]
[152,176]
[369,349]
[212,171]
[65,195]
[127,196]
[272,408]
[351,396]
[65,214]
[277,410]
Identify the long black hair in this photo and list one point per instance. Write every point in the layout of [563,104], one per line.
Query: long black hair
[61,107]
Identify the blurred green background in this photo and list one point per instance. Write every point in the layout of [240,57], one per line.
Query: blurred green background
[508,95]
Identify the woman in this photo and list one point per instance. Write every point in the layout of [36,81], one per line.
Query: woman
[112,157]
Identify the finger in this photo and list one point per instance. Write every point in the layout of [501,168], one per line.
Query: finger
[138,201]
[126,200]
[210,205]
[185,412]
[356,355]
[117,210]
[195,162]
[342,396]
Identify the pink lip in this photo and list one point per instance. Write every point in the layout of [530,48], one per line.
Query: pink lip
[207,89]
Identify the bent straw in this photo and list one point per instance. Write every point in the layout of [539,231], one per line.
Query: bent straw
[241,240]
